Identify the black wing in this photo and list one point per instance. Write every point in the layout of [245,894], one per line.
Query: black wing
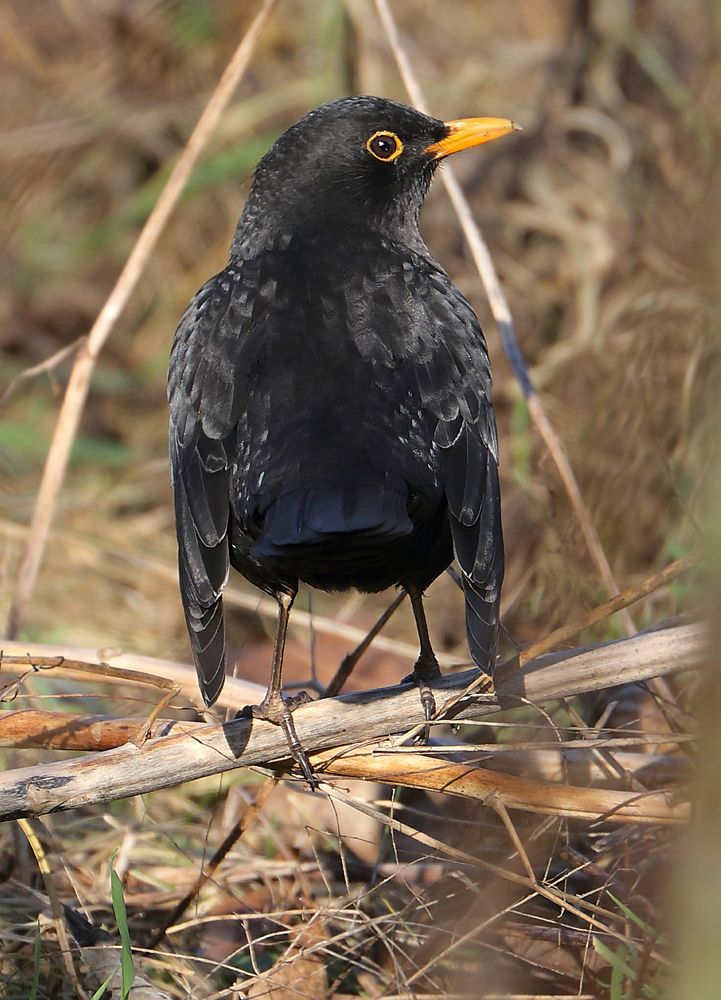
[456,387]
[203,414]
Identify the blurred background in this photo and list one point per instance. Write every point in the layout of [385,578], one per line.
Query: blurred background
[597,217]
[601,218]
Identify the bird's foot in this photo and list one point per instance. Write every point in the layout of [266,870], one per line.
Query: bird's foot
[278,710]
[424,673]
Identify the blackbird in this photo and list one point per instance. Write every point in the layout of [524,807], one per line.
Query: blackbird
[330,394]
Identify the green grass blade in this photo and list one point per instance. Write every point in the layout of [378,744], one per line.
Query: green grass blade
[630,915]
[127,969]
[618,962]
[101,989]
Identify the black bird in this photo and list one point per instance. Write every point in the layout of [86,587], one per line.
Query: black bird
[330,394]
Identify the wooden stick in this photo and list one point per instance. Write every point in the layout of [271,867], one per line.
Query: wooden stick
[79,383]
[117,667]
[571,761]
[31,727]
[324,724]
[507,790]
[628,596]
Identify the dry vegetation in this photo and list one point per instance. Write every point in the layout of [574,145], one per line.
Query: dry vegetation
[600,220]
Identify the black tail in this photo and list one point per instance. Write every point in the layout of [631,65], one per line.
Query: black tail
[313,515]
[478,544]
[481,623]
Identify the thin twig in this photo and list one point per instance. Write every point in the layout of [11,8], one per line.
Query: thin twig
[79,382]
[499,807]
[22,659]
[502,315]
[349,661]
[561,635]
[36,663]
[171,688]
[207,872]
[44,367]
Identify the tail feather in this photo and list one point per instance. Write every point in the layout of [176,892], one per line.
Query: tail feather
[478,546]
[207,638]
[481,623]
[313,515]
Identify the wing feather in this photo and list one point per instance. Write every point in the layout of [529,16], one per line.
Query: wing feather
[202,415]
[458,392]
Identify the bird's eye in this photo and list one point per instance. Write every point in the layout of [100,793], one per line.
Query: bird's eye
[385,146]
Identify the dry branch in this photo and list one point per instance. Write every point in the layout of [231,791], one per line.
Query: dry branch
[35,727]
[416,770]
[18,658]
[629,596]
[567,761]
[326,724]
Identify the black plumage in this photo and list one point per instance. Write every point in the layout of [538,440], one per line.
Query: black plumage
[330,391]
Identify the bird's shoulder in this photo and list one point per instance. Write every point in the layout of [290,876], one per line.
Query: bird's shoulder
[448,352]
[211,339]
[354,304]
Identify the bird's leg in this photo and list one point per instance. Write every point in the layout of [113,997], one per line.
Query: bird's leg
[426,668]
[274,707]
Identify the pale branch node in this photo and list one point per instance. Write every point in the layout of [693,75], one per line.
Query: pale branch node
[352,719]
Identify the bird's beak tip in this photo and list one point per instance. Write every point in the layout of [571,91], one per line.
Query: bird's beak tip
[467,132]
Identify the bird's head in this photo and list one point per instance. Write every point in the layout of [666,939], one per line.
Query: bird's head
[360,162]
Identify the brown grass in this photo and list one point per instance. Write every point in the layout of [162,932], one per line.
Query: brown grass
[600,220]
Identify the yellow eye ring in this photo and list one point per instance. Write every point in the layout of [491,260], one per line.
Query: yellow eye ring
[385,146]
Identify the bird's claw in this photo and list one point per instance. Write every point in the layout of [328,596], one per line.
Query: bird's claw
[428,704]
[424,672]
[297,752]
[294,701]
[278,710]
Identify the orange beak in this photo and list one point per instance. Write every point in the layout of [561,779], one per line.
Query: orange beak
[467,132]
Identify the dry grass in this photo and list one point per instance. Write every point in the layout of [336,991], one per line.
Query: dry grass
[600,221]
